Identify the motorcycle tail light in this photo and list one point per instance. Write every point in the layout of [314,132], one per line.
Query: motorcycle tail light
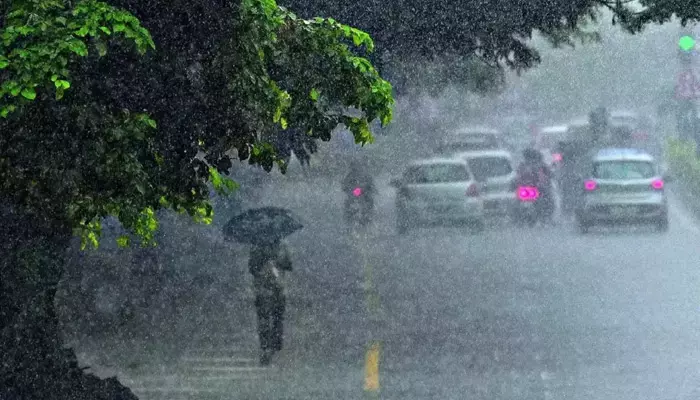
[528,193]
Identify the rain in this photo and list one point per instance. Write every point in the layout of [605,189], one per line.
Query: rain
[513,216]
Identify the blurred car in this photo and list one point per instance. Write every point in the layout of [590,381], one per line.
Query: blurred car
[471,139]
[641,129]
[624,186]
[438,191]
[494,170]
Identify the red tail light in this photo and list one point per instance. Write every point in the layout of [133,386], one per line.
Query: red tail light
[473,190]
[556,157]
[528,193]
[658,184]
[357,192]
[590,185]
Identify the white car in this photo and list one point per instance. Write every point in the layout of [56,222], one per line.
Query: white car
[439,191]
[471,139]
[494,169]
[624,186]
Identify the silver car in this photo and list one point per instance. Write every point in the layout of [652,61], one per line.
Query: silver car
[624,186]
[438,192]
[494,170]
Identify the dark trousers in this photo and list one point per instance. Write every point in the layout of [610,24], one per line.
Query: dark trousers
[270,310]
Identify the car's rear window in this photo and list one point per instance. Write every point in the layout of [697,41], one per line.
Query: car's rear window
[489,167]
[437,173]
[470,143]
[624,170]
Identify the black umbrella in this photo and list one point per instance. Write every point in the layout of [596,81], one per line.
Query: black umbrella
[262,225]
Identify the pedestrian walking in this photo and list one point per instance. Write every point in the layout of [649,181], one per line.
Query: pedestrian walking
[268,263]
[264,229]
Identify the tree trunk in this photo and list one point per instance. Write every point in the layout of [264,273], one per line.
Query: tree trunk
[34,363]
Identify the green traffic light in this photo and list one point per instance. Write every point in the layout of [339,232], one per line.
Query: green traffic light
[686,43]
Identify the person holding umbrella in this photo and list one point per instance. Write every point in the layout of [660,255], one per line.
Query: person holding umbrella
[268,262]
[264,228]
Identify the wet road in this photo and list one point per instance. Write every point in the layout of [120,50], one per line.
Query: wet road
[505,314]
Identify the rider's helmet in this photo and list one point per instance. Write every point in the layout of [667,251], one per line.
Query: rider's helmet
[532,155]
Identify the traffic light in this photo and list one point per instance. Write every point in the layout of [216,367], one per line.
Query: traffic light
[686,49]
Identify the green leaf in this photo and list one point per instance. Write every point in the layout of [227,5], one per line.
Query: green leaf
[140,188]
[61,20]
[78,47]
[105,30]
[314,94]
[123,241]
[29,93]
[82,32]
[61,84]
[101,48]
[152,123]
[4,64]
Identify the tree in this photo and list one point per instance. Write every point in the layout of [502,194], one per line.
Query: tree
[495,33]
[128,107]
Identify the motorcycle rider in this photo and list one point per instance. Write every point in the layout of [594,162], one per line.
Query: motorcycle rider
[533,171]
[358,177]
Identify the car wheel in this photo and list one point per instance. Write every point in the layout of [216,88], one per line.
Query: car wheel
[582,226]
[662,225]
[477,226]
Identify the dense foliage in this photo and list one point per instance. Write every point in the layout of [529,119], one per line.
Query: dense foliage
[124,107]
[493,32]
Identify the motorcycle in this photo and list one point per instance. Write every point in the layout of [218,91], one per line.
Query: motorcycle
[358,207]
[531,206]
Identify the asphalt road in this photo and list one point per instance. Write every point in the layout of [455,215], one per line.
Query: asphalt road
[510,313]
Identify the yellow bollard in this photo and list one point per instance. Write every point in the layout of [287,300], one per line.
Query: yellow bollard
[372,368]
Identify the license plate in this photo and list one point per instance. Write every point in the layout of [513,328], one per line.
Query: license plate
[623,211]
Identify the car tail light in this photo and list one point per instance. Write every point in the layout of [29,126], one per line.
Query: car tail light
[556,157]
[473,190]
[657,184]
[590,185]
[357,192]
[528,193]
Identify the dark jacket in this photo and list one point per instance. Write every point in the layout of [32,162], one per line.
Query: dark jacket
[538,175]
[362,180]
[268,264]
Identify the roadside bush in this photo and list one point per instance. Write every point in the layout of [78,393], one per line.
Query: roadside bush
[683,160]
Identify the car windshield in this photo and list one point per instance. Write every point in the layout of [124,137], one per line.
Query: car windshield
[624,170]
[438,173]
[489,167]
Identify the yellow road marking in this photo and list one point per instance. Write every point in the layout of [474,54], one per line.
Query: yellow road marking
[373,305]
[372,368]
